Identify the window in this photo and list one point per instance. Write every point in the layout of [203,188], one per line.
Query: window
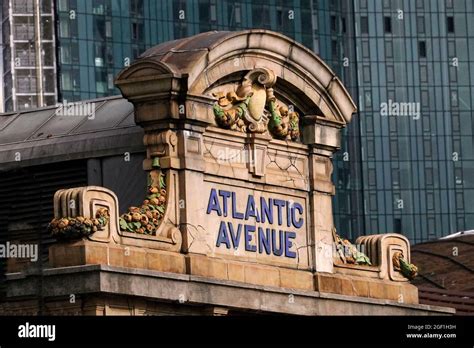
[334,49]
[450,24]
[366,74]
[457,146]
[238,17]
[63,5]
[213,12]
[426,124]
[26,81]
[108,29]
[110,81]
[427,148]
[279,15]
[423,73]
[369,124]
[393,148]
[425,100]
[333,23]
[397,225]
[25,53]
[454,98]
[420,23]
[138,31]
[365,49]
[48,54]
[372,177]
[387,24]
[388,49]
[429,201]
[370,148]
[458,175]
[396,177]
[429,176]
[261,15]
[373,201]
[390,74]
[136,7]
[49,80]
[451,48]
[66,81]
[343,24]
[422,49]
[364,25]
[65,54]
[47,27]
[368,99]
[392,124]
[431,227]
[456,123]
[459,200]
[45,6]
[99,28]
[453,74]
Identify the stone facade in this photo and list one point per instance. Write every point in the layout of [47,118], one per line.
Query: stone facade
[240,129]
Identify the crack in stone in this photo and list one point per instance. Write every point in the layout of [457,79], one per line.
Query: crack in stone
[292,164]
[198,237]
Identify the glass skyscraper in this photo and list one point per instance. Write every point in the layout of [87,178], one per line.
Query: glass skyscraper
[28,54]
[97,38]
[407,161]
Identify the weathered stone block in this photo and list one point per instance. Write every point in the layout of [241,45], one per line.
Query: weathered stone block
[165,261]
[347,287]
[68,254]
[134,257]
[236,272]
[261,275]
[326,282]
[116,256]
[95,253]
[294,279]
[377,289]
[206,266]
[409,293]
[361,288]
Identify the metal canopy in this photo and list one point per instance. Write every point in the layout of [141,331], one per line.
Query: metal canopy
[101,127]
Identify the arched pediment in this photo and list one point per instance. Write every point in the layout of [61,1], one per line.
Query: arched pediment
[213,64]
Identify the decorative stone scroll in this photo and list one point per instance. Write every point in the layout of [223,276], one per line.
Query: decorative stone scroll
[390,252]
[253,108]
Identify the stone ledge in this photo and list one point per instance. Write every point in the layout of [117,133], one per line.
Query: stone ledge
[349,285]
[84,252]
[250,273]
[89,253]
[167,287]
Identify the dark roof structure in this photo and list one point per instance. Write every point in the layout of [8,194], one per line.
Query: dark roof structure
[446,272]
[57,133]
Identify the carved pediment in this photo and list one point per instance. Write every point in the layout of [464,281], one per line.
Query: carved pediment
[250,106]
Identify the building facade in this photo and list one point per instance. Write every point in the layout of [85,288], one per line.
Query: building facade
[415,71]
[409,171]
[214,235]
[28,57]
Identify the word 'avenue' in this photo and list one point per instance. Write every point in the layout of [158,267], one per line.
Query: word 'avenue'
[254,233]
